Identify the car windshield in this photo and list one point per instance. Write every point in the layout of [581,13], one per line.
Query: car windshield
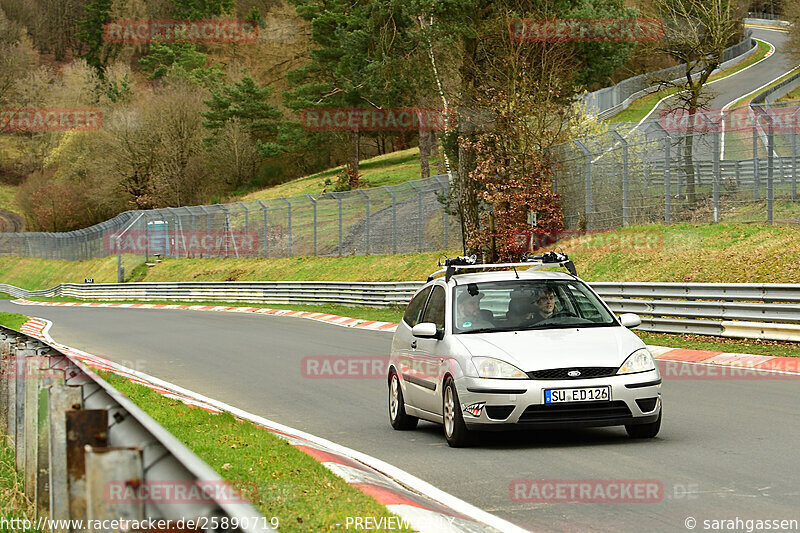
[526,304]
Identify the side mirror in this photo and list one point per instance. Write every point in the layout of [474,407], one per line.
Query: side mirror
[630,320]
[425,330]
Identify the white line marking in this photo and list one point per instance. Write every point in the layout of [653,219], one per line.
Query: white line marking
[404,478]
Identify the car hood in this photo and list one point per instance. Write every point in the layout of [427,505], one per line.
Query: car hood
[555,348]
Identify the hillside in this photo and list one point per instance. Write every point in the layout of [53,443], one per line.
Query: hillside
[681,253]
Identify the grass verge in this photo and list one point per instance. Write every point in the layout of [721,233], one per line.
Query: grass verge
[722,344]
[280,480]
[13,503]
[641,106]
[388,169]
[12,320]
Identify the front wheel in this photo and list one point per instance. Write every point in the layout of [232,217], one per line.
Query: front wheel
[397,407]
[455,430]
[644,431]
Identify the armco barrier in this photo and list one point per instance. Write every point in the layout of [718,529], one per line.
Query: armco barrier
[748,310]
[75,436]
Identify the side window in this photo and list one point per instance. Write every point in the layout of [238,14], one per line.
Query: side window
[414,310]
[435,310]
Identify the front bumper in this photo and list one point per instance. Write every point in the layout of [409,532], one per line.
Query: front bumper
[519,404]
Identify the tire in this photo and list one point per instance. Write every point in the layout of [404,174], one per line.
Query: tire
[397,407]
[455,430]
[644,431]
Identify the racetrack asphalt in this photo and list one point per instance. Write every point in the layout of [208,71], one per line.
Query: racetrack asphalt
[725,449]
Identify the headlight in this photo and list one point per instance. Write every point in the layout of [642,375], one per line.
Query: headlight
[639,361]
[488,367]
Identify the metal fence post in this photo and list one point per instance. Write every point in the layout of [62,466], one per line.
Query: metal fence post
[314,203]
[444,208]
[246,216]
[667,184]
[366,220]
[770,167]
[266,242]
[625,192]
[794,155]
[394,219]
[419,215]
[755,157]
[339,202]
[289,221]
[588,183]
[717,175]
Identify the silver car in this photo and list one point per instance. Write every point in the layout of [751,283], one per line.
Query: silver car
[519,349]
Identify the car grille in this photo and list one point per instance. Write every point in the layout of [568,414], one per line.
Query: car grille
[576,412]
[587,372]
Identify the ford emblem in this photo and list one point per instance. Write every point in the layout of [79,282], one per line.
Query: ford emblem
[574,373]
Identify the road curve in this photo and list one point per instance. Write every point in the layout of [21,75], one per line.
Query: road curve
[725,449]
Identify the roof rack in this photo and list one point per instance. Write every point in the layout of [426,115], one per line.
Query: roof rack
[533,262]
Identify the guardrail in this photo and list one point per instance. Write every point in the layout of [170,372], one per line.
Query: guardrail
[76,439]
[744,310]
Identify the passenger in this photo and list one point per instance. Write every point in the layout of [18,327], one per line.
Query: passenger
[470,315]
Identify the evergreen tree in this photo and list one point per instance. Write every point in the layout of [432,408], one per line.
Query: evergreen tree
[92,32]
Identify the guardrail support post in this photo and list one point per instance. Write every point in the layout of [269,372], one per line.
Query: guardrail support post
[62,398]
[85,427]
[110,472]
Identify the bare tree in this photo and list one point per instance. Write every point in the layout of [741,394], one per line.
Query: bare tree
[696,33]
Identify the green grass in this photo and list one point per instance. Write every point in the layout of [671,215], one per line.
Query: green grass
[388,169]
[641,106]
[280,480]
[34,273]
[8,194]
[13,503]
[12,320]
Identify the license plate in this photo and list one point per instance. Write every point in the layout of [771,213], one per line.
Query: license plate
[586,394]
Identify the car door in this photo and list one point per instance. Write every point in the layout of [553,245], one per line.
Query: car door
[426,356]
[403,341]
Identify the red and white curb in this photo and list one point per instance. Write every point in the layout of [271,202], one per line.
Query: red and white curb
[321,317]
[420,505]
[761,363]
